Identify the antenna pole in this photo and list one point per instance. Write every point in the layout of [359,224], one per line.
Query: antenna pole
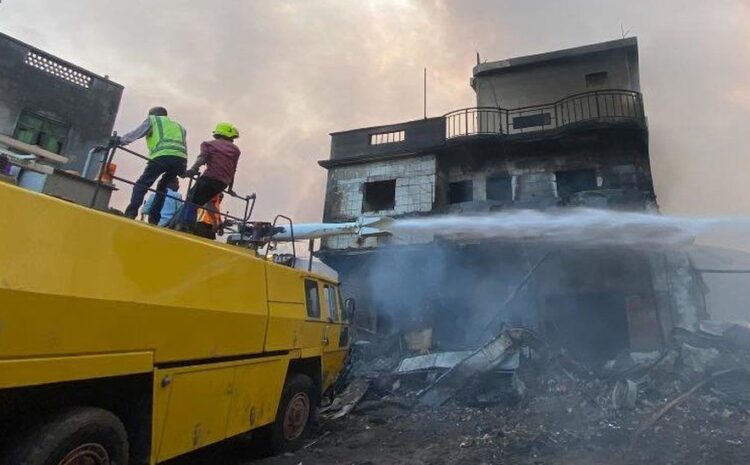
[425,93]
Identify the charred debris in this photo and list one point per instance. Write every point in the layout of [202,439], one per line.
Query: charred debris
[697,379]
[557,375]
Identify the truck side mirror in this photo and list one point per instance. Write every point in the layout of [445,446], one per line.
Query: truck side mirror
[350,306]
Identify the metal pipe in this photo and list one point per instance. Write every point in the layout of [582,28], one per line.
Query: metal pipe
[310,248]
[89,156]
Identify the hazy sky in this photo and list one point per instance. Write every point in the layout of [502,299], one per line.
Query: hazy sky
[289,72]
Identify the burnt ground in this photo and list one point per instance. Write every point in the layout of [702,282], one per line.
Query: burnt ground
[562,430]
[558,422]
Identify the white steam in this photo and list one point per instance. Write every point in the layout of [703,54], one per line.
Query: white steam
[583,225]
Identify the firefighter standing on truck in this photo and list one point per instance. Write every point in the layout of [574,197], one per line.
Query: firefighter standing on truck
[167,148]
[220,157]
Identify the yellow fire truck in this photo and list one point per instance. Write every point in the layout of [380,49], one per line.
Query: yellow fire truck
[123,343]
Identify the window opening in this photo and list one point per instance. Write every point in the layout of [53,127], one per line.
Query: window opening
[37,130]
[461,191]
[570,182]
[500,188]
[312,298]
[379,195]
[387,137]
[596,79]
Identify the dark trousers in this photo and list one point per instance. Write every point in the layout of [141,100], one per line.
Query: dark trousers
[204,190]
[168,167]
[204,230]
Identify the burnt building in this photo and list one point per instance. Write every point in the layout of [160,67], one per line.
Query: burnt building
[554,130]
[551,129]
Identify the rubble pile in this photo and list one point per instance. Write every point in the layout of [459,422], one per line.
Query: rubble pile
[516,400]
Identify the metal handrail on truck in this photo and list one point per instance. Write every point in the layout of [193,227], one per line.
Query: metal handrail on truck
[106,162]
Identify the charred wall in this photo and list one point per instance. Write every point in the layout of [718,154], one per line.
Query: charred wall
[536,173]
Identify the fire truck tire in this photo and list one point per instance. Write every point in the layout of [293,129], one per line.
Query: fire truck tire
[295,415]
[81,435]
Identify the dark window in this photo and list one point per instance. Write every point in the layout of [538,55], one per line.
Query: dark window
[462,191]
[333,306]
[500,188]
[596,79]
[530,121]
[570,182]
[379,195]
[312,299]
[44,132]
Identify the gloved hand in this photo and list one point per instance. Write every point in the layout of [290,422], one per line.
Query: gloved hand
[192,172]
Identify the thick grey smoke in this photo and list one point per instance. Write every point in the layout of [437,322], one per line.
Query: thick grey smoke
[289,72]
[457,292]
[474,273]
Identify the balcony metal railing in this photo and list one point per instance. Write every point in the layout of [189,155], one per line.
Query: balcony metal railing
[595,106]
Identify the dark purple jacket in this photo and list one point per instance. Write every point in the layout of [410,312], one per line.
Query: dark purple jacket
[221,158]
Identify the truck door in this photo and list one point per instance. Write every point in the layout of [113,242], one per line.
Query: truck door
[336,335]
[314,327]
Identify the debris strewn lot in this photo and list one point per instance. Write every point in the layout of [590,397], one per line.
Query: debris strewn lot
[689,404]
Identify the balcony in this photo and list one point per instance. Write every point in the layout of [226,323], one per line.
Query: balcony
[604,106]
[597,108]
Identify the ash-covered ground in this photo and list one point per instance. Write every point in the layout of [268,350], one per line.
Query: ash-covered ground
[690,403]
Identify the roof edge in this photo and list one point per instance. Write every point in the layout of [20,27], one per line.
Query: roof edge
[567,53]
[382,126]
[61,60]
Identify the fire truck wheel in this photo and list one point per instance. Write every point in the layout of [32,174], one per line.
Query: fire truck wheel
[81,436]
[294,416]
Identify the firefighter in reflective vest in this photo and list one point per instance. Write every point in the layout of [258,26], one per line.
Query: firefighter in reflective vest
[167,149]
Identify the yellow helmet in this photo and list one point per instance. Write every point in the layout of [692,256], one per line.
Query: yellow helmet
[226,130]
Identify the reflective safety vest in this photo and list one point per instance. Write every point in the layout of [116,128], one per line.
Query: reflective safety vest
[167,137]
[206,215]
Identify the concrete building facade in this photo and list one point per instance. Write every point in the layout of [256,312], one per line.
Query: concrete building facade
[559,129]
[50,102]
[554,143]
